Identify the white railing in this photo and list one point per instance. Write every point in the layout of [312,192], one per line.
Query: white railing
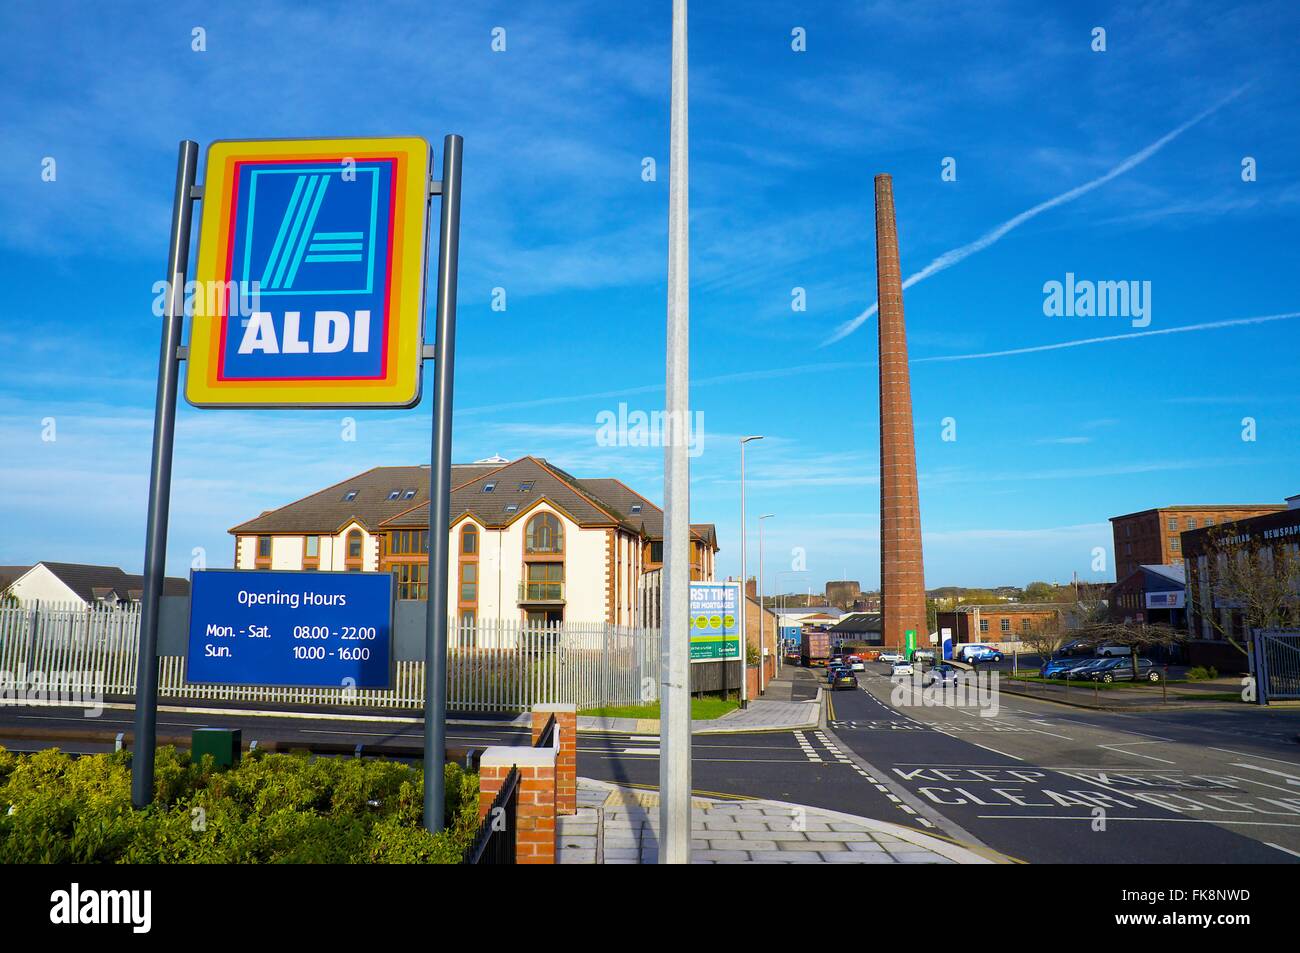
[492,665]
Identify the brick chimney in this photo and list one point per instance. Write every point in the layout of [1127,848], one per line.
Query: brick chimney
[902,573]
[751,588]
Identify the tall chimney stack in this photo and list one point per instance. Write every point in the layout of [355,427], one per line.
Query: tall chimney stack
[902,571]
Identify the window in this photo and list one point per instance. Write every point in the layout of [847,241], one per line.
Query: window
[394,494]
[468,617]
[489,487]
[657,551]
[408,494]
[544,535]
[1173,522]
[354,544]
[1191,522]
[469,582]
[409,542]
[1006,625]
[349,496]
[1174,544]
[984,625]
[264,547]
[411,580]
[545,581]
[311,548]
[512,508]
[1024,625]
[636,508]
[1128,529]
[526,486]
[469,540]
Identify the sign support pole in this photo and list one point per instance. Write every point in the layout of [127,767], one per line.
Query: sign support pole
[435,640]
[160,479]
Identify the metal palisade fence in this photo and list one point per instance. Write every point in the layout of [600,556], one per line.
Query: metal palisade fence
[492,664]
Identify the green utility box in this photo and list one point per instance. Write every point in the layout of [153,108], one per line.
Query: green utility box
[222,743]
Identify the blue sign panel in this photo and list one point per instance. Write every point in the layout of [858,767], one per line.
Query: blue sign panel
[291,629]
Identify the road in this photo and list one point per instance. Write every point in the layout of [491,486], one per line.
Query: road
[1047,783]
[1034,780]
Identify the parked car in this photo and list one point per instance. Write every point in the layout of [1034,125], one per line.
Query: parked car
[978,653]
[856,663]
[836,659]
[890,657]
[1121,670]
[1057,667]
[844,679]
[922,655]
[1074,647]
[902,667]
[1112,651]
[1083,671]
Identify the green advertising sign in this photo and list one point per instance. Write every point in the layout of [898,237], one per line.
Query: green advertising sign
[715,621]
[910,634]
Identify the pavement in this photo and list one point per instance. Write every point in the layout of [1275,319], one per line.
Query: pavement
[620,825]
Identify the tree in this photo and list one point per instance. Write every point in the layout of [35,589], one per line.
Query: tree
[1258,585]
[1038,592]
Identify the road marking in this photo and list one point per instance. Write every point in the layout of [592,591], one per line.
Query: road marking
[654,751]
[1116,748]
[1259,756]
[1116,817]
[1285,850]
[1290,778]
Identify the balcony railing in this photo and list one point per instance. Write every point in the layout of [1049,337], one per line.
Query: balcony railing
[536,592]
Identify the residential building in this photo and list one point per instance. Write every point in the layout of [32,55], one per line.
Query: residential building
[51,583]
[1211,617]
[1002,621]
[1153,537]
[527,539]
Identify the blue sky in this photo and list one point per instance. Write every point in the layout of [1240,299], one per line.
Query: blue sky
[1050,443]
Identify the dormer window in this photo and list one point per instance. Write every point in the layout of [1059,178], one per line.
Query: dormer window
[489,487]
[408,494]
[526,486]
[394,494]
[349,496]
[636,508]
[512,508]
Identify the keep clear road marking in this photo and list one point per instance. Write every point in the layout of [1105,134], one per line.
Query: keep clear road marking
[1290,778]
[1117,749]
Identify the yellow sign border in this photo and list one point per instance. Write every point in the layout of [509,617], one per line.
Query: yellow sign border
[401,385]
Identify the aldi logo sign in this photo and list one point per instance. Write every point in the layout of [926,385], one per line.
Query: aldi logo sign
[311,274]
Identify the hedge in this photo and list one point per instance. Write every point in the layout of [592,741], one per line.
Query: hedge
[271,808]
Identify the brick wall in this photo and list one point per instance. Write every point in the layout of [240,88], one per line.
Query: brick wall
[566,759]
[535,814]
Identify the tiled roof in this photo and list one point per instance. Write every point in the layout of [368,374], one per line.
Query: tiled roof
[93,582]
[600,502]
[329,510]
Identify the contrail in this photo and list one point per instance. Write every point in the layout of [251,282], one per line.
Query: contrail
[1209,326]
[950,258]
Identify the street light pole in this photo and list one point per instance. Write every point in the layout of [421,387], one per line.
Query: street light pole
[674,677]
[760,599]
[744,584]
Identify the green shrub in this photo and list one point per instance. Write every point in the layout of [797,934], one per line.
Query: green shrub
[1200,673]
[272,808]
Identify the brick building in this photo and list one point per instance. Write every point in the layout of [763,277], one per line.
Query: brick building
[1002,621]
[1153,537]
[1153,595]
[1211,619]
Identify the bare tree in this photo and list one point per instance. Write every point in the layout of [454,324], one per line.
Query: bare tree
[1258,585]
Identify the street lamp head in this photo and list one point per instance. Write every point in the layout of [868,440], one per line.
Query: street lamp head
[747,439]
[767,516]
